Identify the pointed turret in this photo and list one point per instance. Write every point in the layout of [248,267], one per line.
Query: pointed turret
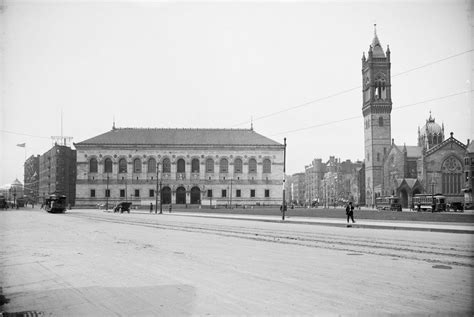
[377,48]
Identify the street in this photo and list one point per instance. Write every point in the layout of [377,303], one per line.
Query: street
[94,263]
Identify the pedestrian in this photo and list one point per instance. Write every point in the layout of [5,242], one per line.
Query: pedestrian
[170,209]
[151,208]
[350,212]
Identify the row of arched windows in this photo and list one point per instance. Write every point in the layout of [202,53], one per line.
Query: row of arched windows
[181,165]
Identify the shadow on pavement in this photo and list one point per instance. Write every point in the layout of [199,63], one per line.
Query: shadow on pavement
[164,300]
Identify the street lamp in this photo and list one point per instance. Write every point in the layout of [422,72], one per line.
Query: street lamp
[231,193]
[158,189]
[433,204]
[107,194]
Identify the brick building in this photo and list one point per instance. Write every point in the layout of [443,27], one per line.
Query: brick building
[31,179]
[57,173]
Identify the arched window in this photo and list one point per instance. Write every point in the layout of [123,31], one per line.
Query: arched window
[137,165]
[181,166]
[380,122]
[267,166]
[108,165]
[252,166]
[166,165]
[209,165]
[93,165]
[122,165]
[451,170]
[151,168]
[224,166]
[195,165]
[238,165]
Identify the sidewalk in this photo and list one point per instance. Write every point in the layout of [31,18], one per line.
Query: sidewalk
[360,223]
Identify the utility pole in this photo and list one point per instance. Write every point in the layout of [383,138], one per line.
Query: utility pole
[231,193]
[107,194]
[161,194]
[156,192]
[283,206]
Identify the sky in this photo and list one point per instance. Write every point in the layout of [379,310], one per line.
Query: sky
[291,68]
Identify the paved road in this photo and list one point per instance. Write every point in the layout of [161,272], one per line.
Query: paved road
[92,263]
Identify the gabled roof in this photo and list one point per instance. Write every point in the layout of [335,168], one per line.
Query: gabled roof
[410,182]
[414,151]
[444,143]
[143,136]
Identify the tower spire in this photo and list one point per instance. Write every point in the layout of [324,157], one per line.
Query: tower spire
[113,124]
[251,123]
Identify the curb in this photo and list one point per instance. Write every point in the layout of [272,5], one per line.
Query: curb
[342,225]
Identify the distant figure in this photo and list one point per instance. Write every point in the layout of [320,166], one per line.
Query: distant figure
[151,208]
[169,210]
[350,212]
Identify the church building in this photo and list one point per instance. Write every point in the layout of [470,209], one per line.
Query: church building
[206,167]
[434,165]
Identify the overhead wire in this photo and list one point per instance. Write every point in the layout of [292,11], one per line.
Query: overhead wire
[351,89]
[358,117]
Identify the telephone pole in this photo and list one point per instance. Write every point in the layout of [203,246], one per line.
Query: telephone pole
[156,192]
[283,206]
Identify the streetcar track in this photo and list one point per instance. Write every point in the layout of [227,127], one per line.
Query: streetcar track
[416,252]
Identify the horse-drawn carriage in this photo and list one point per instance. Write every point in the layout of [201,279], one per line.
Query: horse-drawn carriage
[122,207]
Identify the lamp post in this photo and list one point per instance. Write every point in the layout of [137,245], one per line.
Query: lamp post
[231,193]
[156,191]
[107,194]
[433,204]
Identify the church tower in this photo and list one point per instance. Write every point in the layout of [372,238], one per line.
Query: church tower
[376,108]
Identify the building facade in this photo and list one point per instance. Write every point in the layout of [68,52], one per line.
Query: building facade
[57,173]
[469,175]
[434,165]
[376,109]
[314,175]
[31,179]
[298,189]
[206,167]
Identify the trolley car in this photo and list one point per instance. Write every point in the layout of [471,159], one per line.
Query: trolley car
[55,204]
[436,202]
[388,203]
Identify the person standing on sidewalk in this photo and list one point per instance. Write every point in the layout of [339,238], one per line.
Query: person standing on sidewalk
[151,208]
[350,212]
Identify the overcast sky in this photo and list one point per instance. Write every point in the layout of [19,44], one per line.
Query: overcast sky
[217,64]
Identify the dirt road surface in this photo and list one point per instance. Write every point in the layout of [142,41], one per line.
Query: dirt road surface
[92,263]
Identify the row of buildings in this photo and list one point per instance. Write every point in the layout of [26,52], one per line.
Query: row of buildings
[174,166]
[242,167]
[436,164]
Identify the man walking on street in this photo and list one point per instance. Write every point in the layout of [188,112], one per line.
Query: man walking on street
[350,212]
